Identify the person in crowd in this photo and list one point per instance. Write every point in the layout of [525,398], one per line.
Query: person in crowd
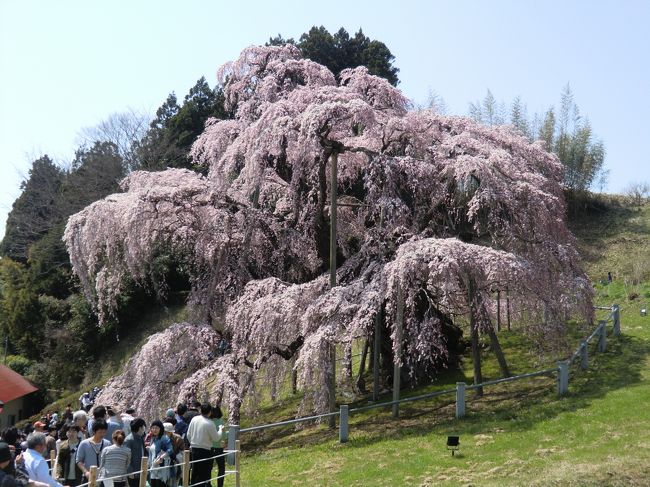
[6,461]
[201,435]
[85,401]
[115,460]
[181,425]
[195,407]
[160,454]
[169,416]
[80,419]
[135,443]
[67,470]
[219,445]
[67,414]
[90,450]
[36,466]
[39,427]
[114,422]
[127,417]
[99,412]
[50,441]
[178,445]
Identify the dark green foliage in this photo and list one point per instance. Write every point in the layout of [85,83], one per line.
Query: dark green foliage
[175,128]
[340,51]
[34,211]
[20,310]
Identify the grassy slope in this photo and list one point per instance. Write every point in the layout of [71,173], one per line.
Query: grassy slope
[518,434]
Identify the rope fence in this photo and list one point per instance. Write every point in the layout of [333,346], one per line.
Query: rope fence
[185,465]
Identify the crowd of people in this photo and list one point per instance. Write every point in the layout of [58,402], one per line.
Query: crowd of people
[115,442]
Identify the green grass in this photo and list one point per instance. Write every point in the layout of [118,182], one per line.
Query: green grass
[517,434]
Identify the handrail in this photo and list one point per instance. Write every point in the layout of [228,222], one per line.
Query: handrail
[406,399]
[513,378]
[290,421]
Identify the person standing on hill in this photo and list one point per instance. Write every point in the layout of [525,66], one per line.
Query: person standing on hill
[201,435]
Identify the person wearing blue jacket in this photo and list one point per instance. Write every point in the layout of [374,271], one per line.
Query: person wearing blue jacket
[160,454]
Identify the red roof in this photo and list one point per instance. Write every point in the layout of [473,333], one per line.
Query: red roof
[13,385]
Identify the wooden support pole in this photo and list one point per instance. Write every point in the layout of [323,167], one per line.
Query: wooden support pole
[53,463]
[508,308]
[186,467]
[143,471]
[92,480]
[332,351]
[498,311]
[397,369]
[375,357]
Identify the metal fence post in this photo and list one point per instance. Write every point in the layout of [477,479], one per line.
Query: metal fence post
[237,463]
[584,355]
[343,423]
[233,436]
[602,341]
[562,377]
[617,320]
[460,399]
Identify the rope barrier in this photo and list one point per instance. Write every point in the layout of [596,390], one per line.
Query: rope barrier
[229,472]
[123,477]
[225,452]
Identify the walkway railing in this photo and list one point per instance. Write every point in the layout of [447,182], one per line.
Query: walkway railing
[562,371]
[185,466]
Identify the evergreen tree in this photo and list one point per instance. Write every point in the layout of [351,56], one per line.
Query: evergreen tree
[34,212]
[175,128]
[518,116]
[340,51]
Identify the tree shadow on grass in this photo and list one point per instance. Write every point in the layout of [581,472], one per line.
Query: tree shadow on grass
[519,404]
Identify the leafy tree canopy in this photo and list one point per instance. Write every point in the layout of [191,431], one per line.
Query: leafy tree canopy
[340,51]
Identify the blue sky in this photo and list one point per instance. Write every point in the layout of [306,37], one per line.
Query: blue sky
[69,64]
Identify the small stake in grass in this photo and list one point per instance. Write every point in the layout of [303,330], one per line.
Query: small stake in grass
[453,444]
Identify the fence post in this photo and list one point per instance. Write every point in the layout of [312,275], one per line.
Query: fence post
[237,462]
[397,369]
[92,480]
[602,341]
[233,436]
[617,320]
[53,463]
[186,467]
[460,399]
[143,472]
[343,423]
[562,377]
